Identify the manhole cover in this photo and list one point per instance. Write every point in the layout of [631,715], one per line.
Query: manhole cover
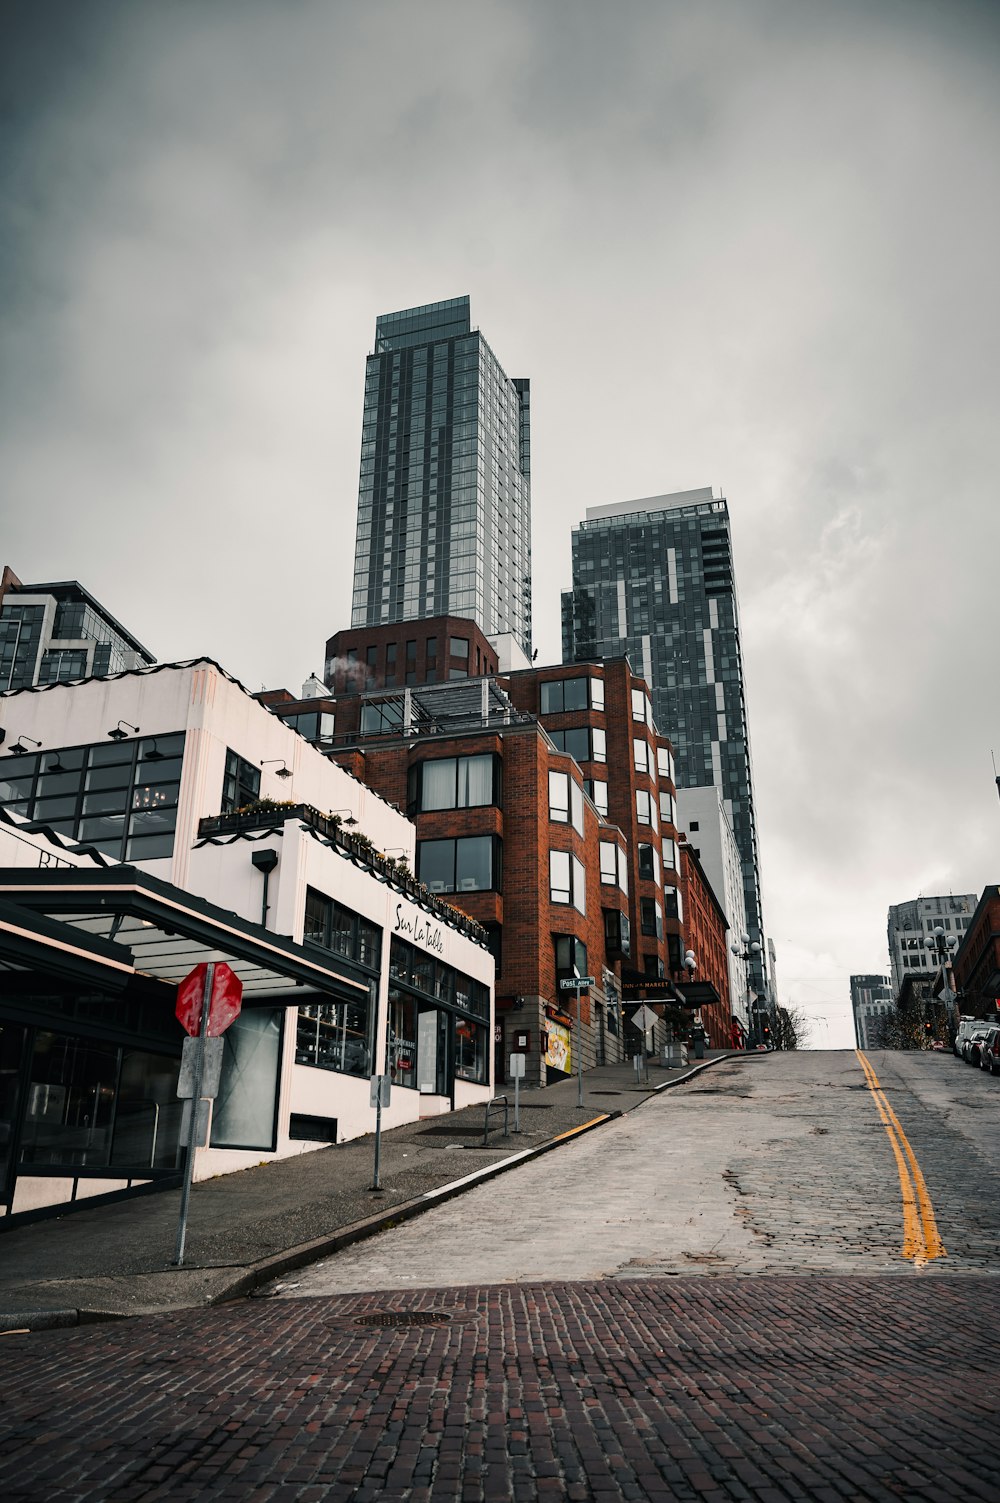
[403,1318]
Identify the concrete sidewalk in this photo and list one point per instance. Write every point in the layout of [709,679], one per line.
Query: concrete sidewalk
[249,1228]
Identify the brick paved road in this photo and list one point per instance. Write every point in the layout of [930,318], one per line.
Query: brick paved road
[762,1389]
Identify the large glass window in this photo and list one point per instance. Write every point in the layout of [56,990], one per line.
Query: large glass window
[383,718]
[559,797]
[454,783]
[241,784]
[617,932]
[121,798]
[245,1110]
[335,1036]
[598,791]
[470,1050]
[567,880]
[667,808]
[566,800]
[571,955]
[337,928]
[649,862]
[651,917]
[581,742]
[564,694]
[91,1105]
[470,863]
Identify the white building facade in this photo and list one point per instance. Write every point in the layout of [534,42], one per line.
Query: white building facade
[910,924]
[163,817]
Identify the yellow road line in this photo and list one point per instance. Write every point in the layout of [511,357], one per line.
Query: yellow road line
[921,1240]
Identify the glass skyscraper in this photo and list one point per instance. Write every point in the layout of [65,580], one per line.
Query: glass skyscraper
[653,579]
[444,501]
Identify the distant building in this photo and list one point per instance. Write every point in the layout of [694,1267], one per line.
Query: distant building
[976,964]
[705,937]
[432,650]
[872,999]
[653,579]
[444,499]
[911,923]
[702,817]
[51,633]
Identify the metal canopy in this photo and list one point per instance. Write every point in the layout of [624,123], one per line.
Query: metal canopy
[127,922]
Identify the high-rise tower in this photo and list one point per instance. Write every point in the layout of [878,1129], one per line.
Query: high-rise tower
[444,506]
[653,579]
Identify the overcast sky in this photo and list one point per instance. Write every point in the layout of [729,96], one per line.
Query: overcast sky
[750,244]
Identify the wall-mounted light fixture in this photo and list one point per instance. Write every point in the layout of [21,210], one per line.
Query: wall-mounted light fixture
[119,735]
[18,749]
[283,771]
[154,755]
[265,861]
[349,820]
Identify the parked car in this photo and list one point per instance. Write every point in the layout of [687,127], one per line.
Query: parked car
[989,1050]
[972,1046]
[966,1026]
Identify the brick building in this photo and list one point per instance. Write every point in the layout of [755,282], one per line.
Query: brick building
[977,960]
[439,649]
[545,809]
[705,929]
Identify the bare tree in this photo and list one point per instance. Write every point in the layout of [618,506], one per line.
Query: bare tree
[790,1027]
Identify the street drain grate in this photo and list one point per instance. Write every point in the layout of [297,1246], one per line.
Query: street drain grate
[403,1318]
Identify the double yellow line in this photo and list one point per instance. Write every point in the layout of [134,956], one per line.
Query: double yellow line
[921,1240]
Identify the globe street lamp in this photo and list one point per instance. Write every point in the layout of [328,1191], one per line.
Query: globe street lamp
[746,952]
[941,947]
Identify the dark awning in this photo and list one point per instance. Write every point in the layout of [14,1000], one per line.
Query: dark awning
[126,922]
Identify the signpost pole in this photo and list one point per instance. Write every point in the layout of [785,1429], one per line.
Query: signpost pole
[579,1051]
[381,1088]
[378,1137]
[199,1069]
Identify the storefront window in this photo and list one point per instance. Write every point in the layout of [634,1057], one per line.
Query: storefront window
[402,1038]
[470,1050]
[335,1036]
[244,1112]
[91,1105]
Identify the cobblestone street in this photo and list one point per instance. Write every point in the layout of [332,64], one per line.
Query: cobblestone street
[709,1298]
[777,1389]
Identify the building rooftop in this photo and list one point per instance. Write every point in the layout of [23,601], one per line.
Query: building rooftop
[431,321]
[701,497]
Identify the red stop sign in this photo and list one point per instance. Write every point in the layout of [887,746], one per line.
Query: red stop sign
[224,1006]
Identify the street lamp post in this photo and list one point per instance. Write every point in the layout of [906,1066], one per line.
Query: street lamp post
[746,952]
[941,947]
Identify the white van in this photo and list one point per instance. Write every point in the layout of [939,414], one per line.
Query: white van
[966,1027]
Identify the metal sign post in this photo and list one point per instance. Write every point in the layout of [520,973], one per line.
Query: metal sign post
[517,1072]
[579,984]
[199,1070]
[381,1094]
